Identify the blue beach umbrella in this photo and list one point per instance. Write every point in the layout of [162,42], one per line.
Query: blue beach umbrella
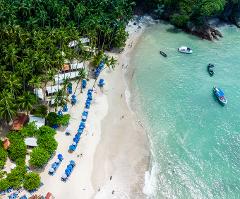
[65,108]
[72,148]
[80,130]
[60,113]
[60,157]
[54,166]
[87,105]
[82,125]
[101,83]
[76,139]
[67,172]
[85,113]
[72,162]
[70,167]
[84,83]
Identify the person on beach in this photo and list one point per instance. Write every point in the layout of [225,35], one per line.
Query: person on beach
[113,191]
[110,178]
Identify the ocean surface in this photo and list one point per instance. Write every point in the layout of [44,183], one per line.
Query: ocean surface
[195,142]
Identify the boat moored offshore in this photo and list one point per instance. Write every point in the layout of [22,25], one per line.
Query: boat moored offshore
[220,95]
[185,49]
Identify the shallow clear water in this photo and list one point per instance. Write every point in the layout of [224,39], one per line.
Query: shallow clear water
[195,141]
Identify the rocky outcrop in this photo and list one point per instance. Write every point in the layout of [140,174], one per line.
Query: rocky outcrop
[206,32]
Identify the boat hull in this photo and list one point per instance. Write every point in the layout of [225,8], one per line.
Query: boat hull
[221,99]
[185,51]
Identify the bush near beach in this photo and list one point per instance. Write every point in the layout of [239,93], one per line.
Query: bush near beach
[17,151]
[31,181]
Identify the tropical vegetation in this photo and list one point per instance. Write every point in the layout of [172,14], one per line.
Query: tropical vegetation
[34,40]
[184,13]
[18,177]
[31,181]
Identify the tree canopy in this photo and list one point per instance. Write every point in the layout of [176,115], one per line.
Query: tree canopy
[33,35]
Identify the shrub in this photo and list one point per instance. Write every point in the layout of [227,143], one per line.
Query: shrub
[48,143]
[16,177]
[46,130]
[32,181]
[3,174]
[52,119]
[30,130]
[18,148]
[63,120]
[4,184]
[39,157]
[179,20]
[40,110]
[3,156]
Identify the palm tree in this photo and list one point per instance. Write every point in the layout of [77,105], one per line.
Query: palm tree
[65,83]
[60,99]
[111,63]
[13,84]
[7,108]
[23,69]
[26,101]
[11,55]
[80,77]
[35,83]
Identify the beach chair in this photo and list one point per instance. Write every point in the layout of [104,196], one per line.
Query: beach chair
[51,171]
[64,177]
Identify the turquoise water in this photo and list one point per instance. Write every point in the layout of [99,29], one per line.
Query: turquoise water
[195,141]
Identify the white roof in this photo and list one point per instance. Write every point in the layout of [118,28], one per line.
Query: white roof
[39,93]
[59,78]
[31,142]
[76,65]
[84,40]
[53,89]
[72,43]
[13,166]
[38,120]
[89,49]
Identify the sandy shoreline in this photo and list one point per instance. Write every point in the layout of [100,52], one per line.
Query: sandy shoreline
[123,151]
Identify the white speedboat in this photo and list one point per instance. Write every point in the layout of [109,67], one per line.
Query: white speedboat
[185,49]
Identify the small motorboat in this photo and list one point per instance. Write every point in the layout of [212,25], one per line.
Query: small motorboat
[163,53]
[185,49]
[210,69]
[220,95]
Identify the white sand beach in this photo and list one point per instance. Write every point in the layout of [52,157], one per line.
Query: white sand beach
[123,151]
[113,143]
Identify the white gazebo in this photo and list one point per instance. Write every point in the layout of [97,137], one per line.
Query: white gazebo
[31,142]
[39,121]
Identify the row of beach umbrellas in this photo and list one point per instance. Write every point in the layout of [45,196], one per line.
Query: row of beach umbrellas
[82,124]
[68,170]
[98,69]
[56,164]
